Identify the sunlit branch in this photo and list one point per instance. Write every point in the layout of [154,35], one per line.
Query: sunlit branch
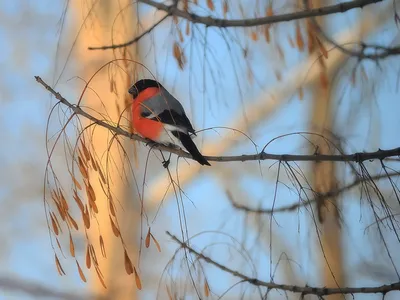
[319,291]
[355,157]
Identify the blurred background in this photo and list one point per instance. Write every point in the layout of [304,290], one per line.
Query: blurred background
[305,86]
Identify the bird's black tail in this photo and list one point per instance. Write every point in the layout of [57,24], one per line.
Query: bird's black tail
[191,147]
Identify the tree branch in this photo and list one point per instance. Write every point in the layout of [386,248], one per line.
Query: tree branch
[215,22]
[135,40]
[319,291]
[356,157]
[294,206]
[223,23]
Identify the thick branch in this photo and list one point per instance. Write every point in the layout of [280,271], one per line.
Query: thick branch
[215,22]
[291,288]
[356,157]
[223,23]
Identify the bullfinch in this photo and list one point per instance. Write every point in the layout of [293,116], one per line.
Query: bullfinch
[158,116]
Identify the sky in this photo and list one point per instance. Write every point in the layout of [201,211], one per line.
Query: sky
[29,32]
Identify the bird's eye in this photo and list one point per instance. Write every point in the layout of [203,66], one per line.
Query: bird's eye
[133,91]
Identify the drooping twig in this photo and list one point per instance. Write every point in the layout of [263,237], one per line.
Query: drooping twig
[355,157]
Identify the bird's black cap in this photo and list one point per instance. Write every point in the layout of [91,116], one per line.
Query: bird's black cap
[141,85]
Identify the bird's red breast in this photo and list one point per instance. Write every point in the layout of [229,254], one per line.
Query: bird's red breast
[147,128]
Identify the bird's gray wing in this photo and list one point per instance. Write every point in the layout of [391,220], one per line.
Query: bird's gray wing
[165,108]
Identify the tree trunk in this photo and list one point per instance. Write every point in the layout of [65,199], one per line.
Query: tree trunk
[110,98]
[323,176]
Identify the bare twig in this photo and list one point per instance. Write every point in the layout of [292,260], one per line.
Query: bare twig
[356,157]
[135,40]
[319,291]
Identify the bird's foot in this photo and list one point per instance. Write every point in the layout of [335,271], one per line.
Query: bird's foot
[151,143]
[165,163]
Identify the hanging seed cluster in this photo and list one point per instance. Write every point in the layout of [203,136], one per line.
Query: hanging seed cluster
[60,218]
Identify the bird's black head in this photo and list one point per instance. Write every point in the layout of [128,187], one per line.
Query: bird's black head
[141,85]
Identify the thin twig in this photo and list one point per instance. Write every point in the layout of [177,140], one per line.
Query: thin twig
[135,40]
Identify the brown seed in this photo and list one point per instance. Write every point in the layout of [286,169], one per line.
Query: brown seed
[82,157]
[61,211]
[90,191]
[147,241]
[88,259]
[206,289]
[75,181]
[85,149]
[254,36]
[63,202]
[82,168]
[225,8]
[94,256]
[324,79]
[86,218]
[73,222]
[267,35]
[102,247]
[187,31]
[137,279]
[78,200]
[71,246]
[81,272]
[210,5]
[93,206]
[180,35]
[102,175]
[100,276]
[179,55]
[114,228]
[299,37]
[59,267]
[54,224]
[58,244]
[156,242]
[112,208]
[269,12]
[94,163]
[128,263]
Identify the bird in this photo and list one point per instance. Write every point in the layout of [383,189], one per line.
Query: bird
[161,118]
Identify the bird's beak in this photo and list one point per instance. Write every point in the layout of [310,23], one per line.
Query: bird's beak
[133,91]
